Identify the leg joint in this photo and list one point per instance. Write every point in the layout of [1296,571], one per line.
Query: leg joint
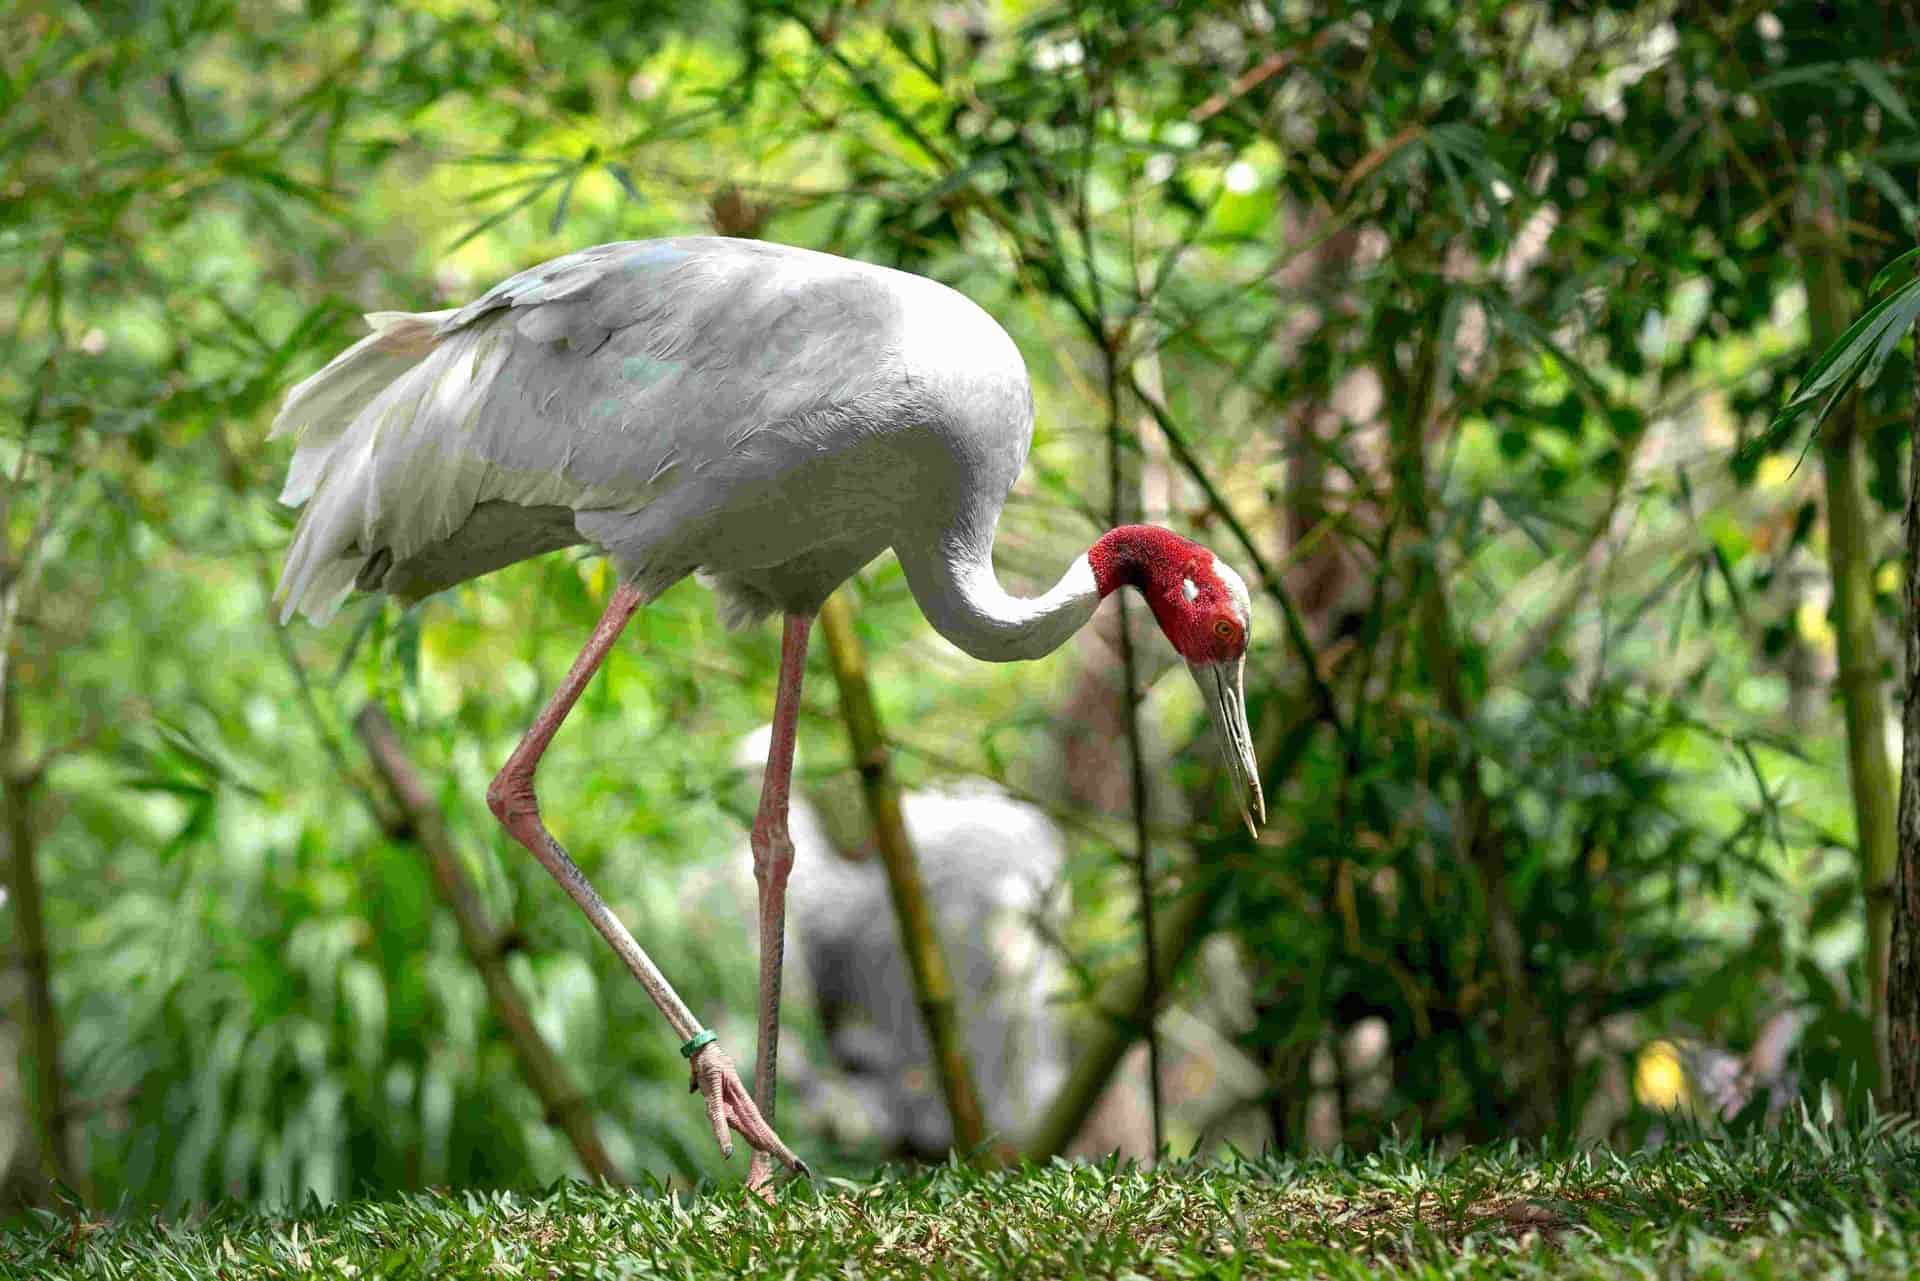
[772,849]
[510,796]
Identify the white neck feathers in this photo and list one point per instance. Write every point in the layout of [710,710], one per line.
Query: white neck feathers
[965,603]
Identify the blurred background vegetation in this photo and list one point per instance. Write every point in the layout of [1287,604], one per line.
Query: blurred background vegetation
[1457,327]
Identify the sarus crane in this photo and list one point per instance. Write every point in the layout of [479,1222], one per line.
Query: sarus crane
[769,418]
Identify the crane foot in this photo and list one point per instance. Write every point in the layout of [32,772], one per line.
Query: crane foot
[729,1106]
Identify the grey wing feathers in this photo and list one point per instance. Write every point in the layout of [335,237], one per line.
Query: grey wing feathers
[319,409]
[596,382]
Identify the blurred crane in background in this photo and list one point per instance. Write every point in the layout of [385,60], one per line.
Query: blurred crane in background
[993,869]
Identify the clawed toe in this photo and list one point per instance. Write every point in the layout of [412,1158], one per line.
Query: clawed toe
[730,1107]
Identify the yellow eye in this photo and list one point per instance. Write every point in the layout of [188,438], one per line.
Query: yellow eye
[1225,630]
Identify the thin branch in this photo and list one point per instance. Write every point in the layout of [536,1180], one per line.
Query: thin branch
[1255,76]
[1123,499]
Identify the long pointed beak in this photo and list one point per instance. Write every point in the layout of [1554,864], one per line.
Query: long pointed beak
[1226,700]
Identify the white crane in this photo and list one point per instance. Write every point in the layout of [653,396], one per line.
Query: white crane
[994,868]
[768,417]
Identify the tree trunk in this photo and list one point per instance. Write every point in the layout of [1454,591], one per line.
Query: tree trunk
[1903,970]
[1850,565]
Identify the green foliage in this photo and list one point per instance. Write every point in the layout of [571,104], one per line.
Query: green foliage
[1815,1199]
[1461,327]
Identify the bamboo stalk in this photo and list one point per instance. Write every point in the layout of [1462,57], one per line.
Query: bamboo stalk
[21,565]
[548,1077]
[41,1026]
[919,939]
[1850,566]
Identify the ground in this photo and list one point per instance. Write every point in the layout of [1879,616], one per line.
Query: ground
[1806,1200]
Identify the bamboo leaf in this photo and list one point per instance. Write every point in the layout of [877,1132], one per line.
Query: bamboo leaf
[622,175]
[560,210]
[489,223]
[1856,357]
[1886,274]
[1897,194]
[1529,331]
[1877,84]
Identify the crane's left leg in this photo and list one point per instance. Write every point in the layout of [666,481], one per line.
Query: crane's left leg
[512,799]
[772,862]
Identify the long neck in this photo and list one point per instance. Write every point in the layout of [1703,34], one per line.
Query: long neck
[962,597]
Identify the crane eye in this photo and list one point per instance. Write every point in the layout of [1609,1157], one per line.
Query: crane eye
[1224,629]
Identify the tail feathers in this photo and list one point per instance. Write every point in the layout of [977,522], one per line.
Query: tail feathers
[318,414]
[322,592]
[321,562]
[385,463]
[319,410]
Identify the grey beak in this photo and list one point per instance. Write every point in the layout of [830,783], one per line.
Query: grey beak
[1226,700]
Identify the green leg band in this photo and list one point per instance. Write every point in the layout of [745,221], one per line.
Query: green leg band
[700,1041]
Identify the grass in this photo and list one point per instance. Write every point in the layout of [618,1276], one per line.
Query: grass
[1808,1200]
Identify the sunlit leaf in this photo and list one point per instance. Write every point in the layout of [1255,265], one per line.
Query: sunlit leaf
[1854,359]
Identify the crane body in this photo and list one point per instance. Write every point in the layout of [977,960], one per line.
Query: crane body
[768,417]
[773,418]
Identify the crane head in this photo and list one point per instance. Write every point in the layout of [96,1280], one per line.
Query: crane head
[1203,607]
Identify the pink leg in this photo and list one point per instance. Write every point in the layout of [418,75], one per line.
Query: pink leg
[512,800]
[772,862]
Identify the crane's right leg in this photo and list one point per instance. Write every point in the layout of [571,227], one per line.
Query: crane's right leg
[512,801]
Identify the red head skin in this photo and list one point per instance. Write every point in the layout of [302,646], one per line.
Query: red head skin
[1158,563]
